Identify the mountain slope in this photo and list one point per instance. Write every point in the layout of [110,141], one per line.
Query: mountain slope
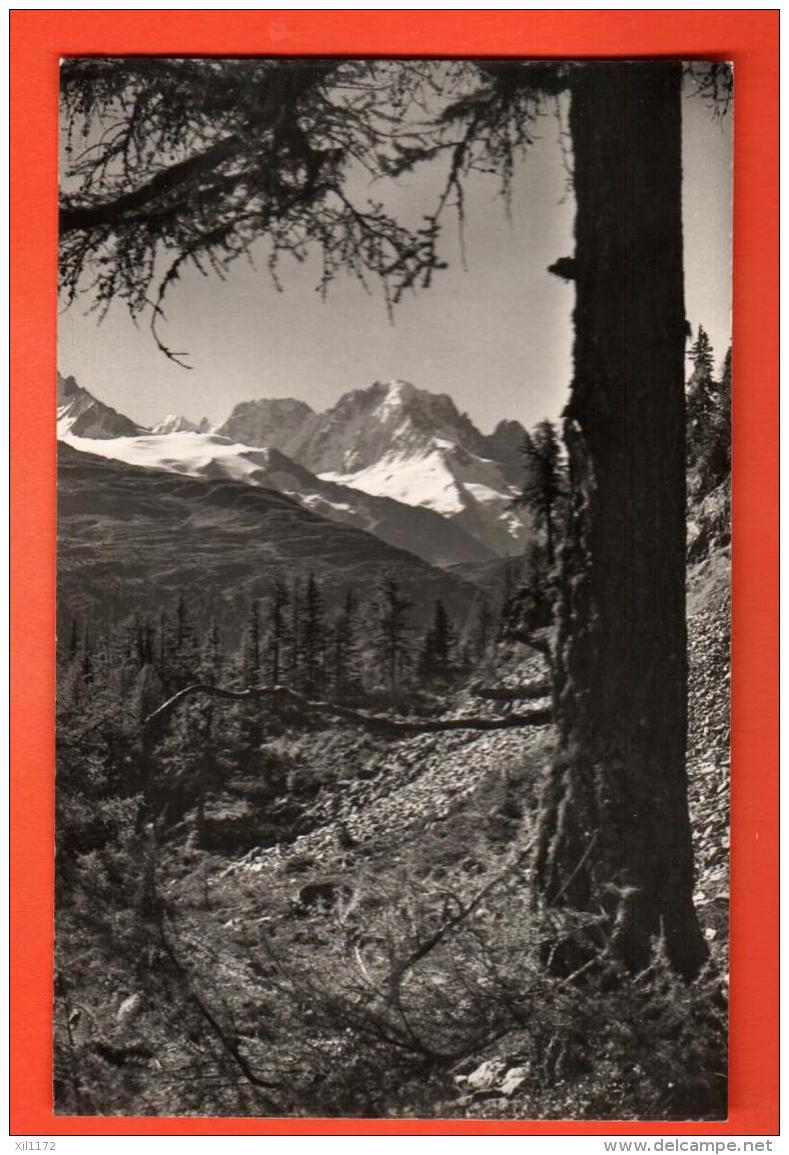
[132,538]
[394,440]
[83,415]
[209,456]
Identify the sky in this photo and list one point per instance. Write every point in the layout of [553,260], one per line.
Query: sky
[494,333]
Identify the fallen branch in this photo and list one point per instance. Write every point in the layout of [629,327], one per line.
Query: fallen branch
[513,693]
[228,1042]
[376,722]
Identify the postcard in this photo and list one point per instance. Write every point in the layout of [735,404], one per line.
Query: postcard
[393,635]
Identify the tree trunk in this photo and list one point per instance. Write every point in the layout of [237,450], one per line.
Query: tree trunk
[615,831]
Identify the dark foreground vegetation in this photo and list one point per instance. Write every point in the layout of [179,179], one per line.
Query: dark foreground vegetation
[343,924]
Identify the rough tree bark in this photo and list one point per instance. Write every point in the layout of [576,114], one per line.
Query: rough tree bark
[615,831]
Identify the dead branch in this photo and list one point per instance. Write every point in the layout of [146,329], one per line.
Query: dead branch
[375,722]
[229,1044]
[525,693]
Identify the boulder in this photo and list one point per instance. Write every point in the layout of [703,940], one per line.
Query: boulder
[486,1075]
[515,1080]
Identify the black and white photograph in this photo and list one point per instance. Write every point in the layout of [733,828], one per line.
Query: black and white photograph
[393,588]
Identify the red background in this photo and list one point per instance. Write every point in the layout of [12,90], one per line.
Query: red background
[750,39]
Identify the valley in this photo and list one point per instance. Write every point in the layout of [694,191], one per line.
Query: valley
[133,539]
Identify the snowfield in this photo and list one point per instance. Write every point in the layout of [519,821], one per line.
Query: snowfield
[194,454]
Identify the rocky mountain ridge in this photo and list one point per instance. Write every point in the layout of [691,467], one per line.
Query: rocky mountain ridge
[80,414]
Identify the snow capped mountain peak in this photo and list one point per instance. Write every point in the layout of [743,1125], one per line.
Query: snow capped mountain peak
[177,423]
[398,393]
[395,440]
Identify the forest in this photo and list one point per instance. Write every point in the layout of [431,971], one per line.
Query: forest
[357,851]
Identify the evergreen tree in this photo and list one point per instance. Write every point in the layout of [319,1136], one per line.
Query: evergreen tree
[438,645]
[724,413]
[72,671]
[86,656]
[544,484]
[147,643]
[277,631]
[207,767]
[702,354]
[162,648]
[708,417]
[344,655]
[73,642]
[621,679]
[252,646]
[248,714]
[211,657]
[181,624]
[614,818]
[391,633]
[185,650]
[312,638]
[701,399]
[718,457]
[139,640]
[295,649]
[147,694]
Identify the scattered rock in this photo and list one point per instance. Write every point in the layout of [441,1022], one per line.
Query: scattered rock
[515,1079]
[129,1007]
[323,895]
[486,1076]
